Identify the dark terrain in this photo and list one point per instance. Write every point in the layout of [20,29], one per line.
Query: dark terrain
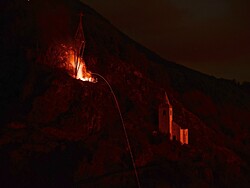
[56,131]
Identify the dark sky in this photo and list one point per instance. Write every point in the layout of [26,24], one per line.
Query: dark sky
[212,36]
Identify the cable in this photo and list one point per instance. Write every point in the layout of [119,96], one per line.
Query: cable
[124,129]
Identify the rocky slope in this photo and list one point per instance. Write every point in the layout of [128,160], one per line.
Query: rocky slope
[57,131]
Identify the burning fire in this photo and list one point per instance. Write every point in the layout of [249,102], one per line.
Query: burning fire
[76,66]
[79,68]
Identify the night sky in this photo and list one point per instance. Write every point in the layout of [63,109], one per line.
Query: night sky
[212,36]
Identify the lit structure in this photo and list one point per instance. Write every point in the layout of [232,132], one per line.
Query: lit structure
[79,45]
[167,126]
[166,117]
[76,65]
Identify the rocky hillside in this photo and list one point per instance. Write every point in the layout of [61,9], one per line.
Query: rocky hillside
[57,131]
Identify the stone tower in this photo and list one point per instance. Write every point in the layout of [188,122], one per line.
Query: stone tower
[166,117]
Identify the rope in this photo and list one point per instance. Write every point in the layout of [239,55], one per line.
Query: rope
[124,129]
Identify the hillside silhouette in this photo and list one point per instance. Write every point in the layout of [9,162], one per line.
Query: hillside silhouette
[57,131]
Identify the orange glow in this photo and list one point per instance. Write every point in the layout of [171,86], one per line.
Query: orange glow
[70,65]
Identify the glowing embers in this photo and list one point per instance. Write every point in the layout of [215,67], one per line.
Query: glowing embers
[76,66]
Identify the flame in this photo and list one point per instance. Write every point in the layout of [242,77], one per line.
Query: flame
[82,73]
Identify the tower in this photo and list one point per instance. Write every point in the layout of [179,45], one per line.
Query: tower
[166,117]
[79,44]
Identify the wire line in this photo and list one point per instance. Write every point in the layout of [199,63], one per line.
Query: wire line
[124,129]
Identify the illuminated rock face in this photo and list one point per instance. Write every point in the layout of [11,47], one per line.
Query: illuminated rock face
[167,126]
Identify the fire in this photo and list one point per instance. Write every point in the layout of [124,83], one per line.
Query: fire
[79,69]
[76,67]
